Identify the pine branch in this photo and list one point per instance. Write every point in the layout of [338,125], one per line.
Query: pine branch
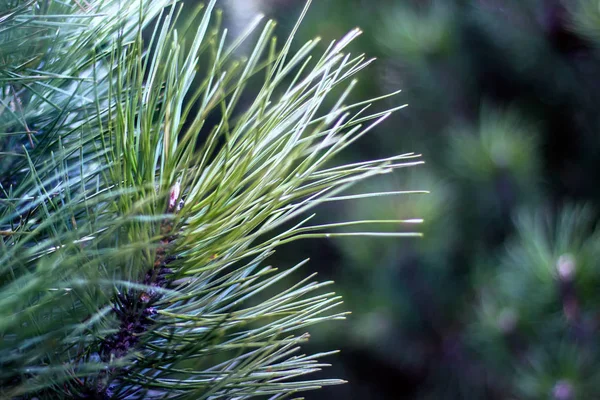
[132,264]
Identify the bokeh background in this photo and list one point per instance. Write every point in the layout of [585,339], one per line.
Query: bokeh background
[501,298]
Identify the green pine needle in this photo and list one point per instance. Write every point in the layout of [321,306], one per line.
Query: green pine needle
[124,158]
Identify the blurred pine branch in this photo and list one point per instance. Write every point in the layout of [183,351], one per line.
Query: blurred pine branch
[498,301]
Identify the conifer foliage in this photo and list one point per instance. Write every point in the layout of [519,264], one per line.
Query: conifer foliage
[141,197]
[500,301]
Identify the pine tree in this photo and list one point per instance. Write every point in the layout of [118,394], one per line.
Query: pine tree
[143,189]
[497,301]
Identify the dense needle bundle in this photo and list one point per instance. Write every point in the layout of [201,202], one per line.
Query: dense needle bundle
[141,197]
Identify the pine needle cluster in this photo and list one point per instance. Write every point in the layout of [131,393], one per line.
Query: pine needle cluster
[142,194]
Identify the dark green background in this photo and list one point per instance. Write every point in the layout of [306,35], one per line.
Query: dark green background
[504,106]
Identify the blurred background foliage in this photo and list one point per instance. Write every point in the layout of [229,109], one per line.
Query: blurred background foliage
[500,299]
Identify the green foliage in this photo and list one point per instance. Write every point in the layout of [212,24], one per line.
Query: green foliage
[503,141]
[585,17]
[552,262]
[504,106]
[141,196]
[419,34]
